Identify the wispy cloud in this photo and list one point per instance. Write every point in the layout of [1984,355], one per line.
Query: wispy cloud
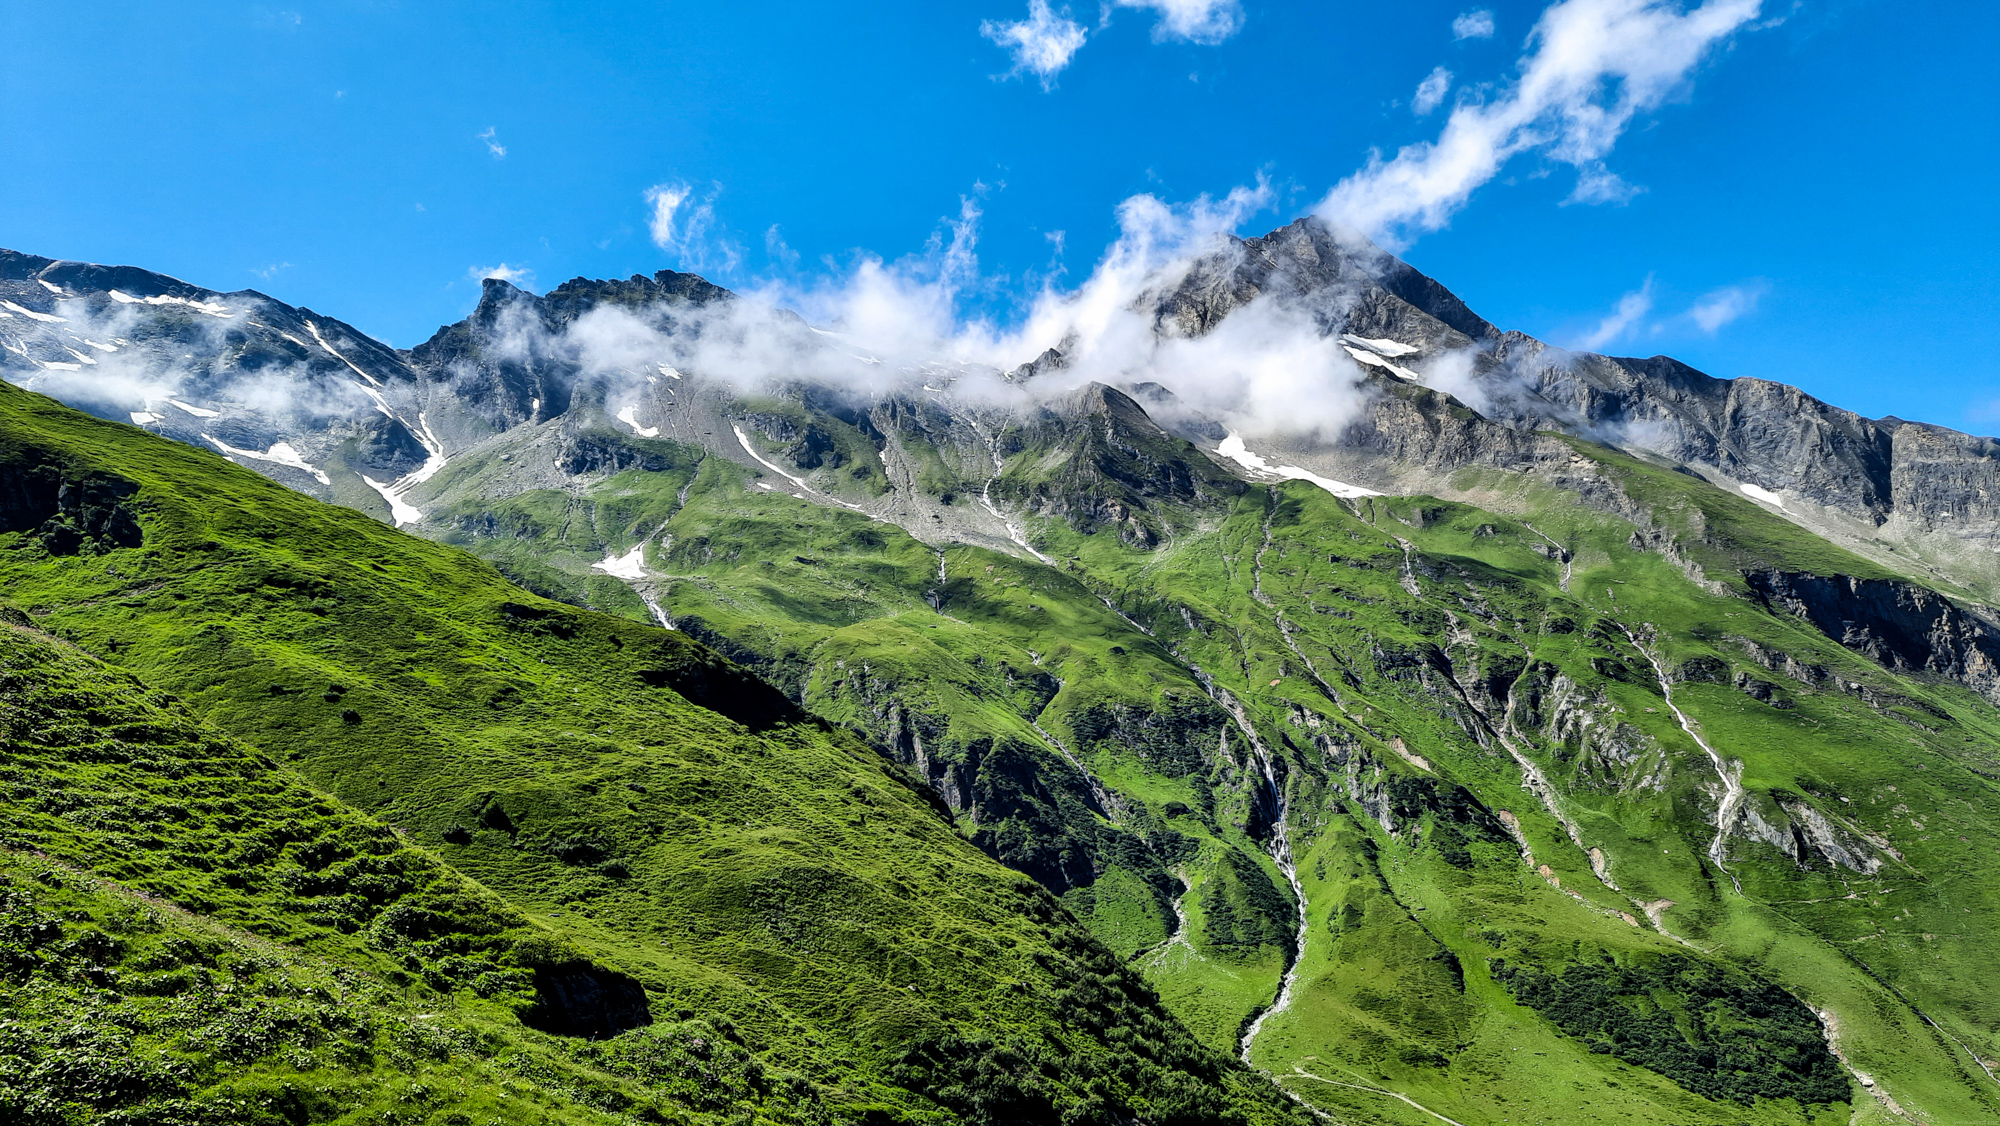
[1193,21]
[684,225]
[1631,309]
[271,271]
[880,326]
[1597,184]
[1041,45]
[666,200]
[778,250]
[1719,307]
[1431,91]
[494,147]
[1045,42]
[1473,25]
[1592,67]
[516,275]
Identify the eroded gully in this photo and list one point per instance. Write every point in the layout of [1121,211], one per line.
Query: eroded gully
[1732,779]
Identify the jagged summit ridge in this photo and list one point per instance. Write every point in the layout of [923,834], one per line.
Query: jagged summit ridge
[326,409]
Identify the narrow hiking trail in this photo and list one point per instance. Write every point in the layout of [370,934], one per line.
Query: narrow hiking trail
[1304,1074]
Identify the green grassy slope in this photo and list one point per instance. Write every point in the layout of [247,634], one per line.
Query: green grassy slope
[1469,638]
[1464,715]
[669,816]
[993,677]
[189,933]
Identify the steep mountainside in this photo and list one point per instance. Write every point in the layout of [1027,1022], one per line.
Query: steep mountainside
[694,846]
[1625,764]
[1918,498]
[193,935]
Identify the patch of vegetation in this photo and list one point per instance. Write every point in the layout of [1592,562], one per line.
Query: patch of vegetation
[1716,1032]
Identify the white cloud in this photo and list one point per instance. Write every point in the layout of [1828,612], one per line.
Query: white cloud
[1431,91]
[516,275]
[778,250]
[1042,44]
[1195,21]
[1631,308]
[498,150]
[666,200]
[271,271]
[1597,184]
[685,226]
[1719,307]
[1593,66]
[1473,25]
[882,326]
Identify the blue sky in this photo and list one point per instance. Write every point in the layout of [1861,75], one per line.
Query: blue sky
[1809,198]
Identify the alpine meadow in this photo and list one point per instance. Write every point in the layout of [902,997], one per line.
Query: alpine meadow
[1242,685]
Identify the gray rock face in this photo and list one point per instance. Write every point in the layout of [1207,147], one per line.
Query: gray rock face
[1919,498]
[321,407]
[294,395]
[1897,624]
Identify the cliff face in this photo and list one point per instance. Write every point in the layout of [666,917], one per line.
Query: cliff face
[1919,498]
[1899,625]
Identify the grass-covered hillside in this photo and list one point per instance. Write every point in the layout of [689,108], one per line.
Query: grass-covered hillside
[1541,811]
[374,824]
[191,934]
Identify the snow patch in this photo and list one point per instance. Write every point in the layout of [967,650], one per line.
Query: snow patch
[1765,495]
[432,463]
[314,329]
[52,288]
[80,357]
[1363,356]
[198,412]
[1382,346]
[99,347]
[212,308]
[145,418]
[752,451]
[45,318]
[629,566]
[381,404]
[1232,448]
[280,453]
[669,372]
[400,510]
[56,365]
[630,417]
